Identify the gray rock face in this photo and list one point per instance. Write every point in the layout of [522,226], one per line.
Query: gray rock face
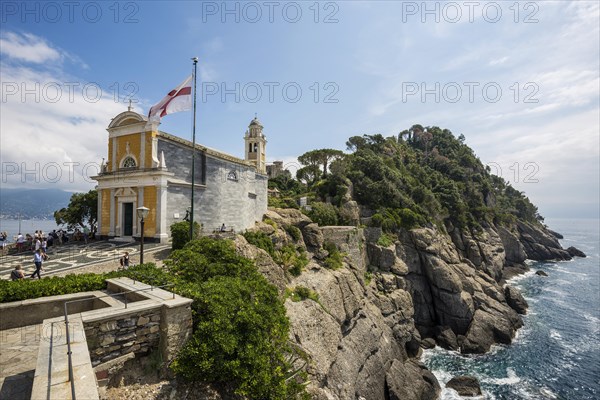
[515,299]
[513,249]
[350,212]
[467,386]
[402,386]
[355,333]
[428,285]
[446,338]
[539,244]
[313,237]
[575,252]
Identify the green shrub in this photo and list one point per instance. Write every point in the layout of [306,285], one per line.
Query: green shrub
[385,240]
[260,240]
[299,263]
[323,214]
[53,286]
[335,258]
[240,325]
[300,293]
[180,234]
[368,277]
[294,232]
[270,222]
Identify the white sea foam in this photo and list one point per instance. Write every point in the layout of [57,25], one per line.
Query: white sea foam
[555,335]
[547,393]
[517,278]
[511,378]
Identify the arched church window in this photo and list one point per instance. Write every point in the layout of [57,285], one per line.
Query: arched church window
[232,176]
[255,147]
[129,162]
[250,148]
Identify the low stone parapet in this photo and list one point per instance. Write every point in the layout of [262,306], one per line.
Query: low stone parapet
[152,319]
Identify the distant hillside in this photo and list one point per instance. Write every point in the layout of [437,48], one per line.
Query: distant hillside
[32,203]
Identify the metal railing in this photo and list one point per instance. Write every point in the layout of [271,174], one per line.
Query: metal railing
[124,294]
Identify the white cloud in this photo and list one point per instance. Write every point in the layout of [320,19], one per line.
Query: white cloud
[498,61]
[27,47]
[51,135]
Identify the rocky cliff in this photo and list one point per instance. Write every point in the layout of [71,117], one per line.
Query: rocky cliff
[363,336]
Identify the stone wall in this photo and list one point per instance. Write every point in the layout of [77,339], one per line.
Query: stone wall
[227,192]
[33,311]
[175,329]
[112,338]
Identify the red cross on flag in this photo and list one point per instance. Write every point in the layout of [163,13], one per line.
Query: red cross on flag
[178,99]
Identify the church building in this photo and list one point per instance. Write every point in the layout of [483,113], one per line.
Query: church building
[150,168]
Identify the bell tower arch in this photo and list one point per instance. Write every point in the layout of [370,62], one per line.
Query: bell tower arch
[256,143]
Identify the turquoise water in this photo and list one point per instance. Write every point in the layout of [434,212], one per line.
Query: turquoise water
[556,355]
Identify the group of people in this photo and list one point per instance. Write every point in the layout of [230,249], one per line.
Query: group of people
[39,243]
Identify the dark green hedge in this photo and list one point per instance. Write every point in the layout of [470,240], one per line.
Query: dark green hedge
[53,286]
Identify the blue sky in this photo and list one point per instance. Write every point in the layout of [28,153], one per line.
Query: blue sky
[521,82]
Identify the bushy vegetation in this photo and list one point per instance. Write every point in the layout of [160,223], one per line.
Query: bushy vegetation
[300,293]
[424,176]
[323,214]
[285,202]
[180,234]
[241,329]
[52,286]
[260,240]
[335,258]
[385,240]
[294,232]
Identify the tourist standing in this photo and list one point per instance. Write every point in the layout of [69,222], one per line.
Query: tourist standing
[17,273]
[86,232]
[36,244]
[44,245]
[20,242]
[37,260]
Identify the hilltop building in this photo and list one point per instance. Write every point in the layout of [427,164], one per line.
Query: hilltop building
[147,167]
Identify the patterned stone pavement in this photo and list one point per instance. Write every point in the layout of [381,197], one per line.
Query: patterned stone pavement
[71,256]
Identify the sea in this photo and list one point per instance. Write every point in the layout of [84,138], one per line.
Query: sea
[11,227]
[556,355]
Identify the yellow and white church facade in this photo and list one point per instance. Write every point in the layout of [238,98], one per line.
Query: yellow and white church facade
[150,168]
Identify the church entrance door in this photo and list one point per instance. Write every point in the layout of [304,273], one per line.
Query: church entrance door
[127,219]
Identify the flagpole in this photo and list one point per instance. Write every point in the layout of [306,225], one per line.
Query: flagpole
[195,60]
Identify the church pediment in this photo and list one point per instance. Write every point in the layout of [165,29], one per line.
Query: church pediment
[125,192]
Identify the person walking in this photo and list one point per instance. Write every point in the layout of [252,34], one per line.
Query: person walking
[37,260]
[17,273]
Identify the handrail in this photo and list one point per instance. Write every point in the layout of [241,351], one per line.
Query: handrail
[88,299]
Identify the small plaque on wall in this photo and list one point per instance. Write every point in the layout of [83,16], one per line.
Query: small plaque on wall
[176,215]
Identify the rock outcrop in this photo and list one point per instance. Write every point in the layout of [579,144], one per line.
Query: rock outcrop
[373,315]
[467,386]
[575,252]
[515,299]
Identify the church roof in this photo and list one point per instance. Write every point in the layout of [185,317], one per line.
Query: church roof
[207,150]
[255,121]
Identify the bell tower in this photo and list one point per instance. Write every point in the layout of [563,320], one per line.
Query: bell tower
[256,144]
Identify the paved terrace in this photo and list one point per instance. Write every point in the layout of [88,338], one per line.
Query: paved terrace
[76,255]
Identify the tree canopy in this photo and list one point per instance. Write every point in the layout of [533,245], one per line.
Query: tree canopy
[422,176]
[81,211]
